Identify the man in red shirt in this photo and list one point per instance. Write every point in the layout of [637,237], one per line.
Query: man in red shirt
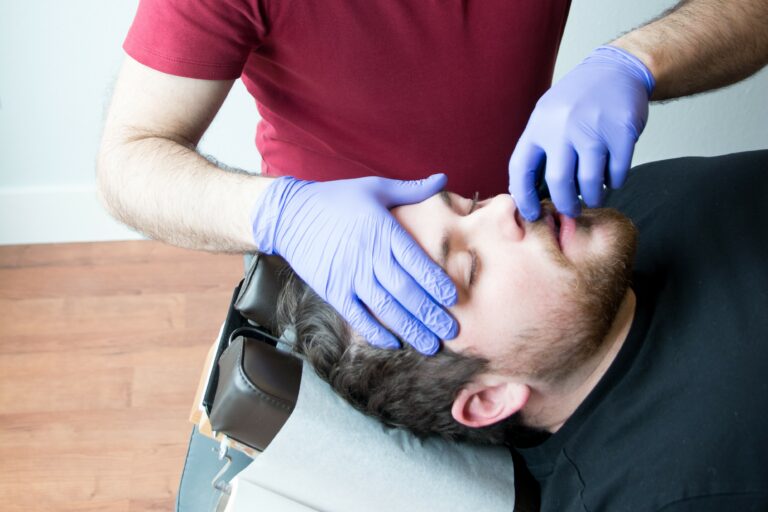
[358,98]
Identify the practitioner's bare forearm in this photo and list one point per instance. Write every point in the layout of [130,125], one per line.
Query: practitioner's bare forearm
[701,45]
[150,175]
[167,191]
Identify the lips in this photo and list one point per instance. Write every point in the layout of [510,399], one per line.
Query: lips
[561,226]
[553,221]
[566,228]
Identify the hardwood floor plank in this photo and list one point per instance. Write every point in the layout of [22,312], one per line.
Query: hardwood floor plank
[36,323]
[126,279]
[92,431]
[63,341]
[104,457]
[101,253]
[100,379]
[101,348]
[91,316]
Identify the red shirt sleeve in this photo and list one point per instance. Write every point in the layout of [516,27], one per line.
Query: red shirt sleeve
[208,39]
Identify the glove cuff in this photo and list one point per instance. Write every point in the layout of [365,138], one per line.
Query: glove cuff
[630,60]
[265,214]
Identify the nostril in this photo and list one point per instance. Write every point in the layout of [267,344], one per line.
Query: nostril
[518,220]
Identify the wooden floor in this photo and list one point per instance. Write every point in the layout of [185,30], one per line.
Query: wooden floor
[101,348]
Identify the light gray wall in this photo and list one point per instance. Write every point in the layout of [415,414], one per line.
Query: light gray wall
[58,61]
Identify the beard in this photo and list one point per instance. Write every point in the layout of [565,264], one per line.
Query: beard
[591,296]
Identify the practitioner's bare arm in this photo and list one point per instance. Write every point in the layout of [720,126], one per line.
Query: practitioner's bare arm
[149,174]
[701,44]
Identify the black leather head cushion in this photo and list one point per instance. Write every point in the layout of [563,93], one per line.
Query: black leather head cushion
[257,390]
[260,289]
[257,385]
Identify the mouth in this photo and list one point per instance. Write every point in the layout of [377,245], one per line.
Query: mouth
[561,227]
[554,222]
[566,228]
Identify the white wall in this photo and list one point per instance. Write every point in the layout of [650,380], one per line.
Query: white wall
[58,61]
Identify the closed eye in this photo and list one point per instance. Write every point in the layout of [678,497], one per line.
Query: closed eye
[473,269]
[445,241]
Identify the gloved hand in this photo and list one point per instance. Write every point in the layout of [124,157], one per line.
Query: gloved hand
[586,126]
[341,239]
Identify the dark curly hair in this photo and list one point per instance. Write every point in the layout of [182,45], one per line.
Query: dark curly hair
[402,388]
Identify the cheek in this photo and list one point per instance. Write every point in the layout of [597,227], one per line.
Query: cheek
[523,291]
[519,289]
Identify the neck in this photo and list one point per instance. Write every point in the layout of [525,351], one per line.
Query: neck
[550,407]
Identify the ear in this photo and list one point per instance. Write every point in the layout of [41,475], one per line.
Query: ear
[488,400]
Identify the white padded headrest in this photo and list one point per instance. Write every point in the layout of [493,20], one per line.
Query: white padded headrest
[330,457]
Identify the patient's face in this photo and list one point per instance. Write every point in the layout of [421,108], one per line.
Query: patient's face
[541,293]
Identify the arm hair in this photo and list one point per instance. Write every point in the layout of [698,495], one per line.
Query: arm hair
[700,45]
[150,175]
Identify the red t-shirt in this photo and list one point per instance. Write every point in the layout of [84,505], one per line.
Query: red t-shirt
[350,88]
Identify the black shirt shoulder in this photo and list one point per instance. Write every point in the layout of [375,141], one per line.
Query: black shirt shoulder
[682,414]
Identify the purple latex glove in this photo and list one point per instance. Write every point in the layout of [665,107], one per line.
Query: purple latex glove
[341,239]
[586,127]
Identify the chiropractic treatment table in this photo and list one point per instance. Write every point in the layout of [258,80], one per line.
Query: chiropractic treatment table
[270,435]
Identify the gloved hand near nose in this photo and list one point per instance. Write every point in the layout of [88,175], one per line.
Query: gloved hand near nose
[341,239]
[586,126]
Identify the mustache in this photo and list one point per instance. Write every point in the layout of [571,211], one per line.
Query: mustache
[587,218]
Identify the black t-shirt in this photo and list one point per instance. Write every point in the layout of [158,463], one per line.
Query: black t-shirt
[680,419]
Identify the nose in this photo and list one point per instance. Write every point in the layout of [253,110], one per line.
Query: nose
[501,216]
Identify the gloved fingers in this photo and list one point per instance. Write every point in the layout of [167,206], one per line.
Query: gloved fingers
[591,175]
[523,166]
[398,192]
[392,314]
[620,150]
[366,325]
[561,179]
[415,300]
[424,271]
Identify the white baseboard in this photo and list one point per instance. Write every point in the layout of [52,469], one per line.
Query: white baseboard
[57,214]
